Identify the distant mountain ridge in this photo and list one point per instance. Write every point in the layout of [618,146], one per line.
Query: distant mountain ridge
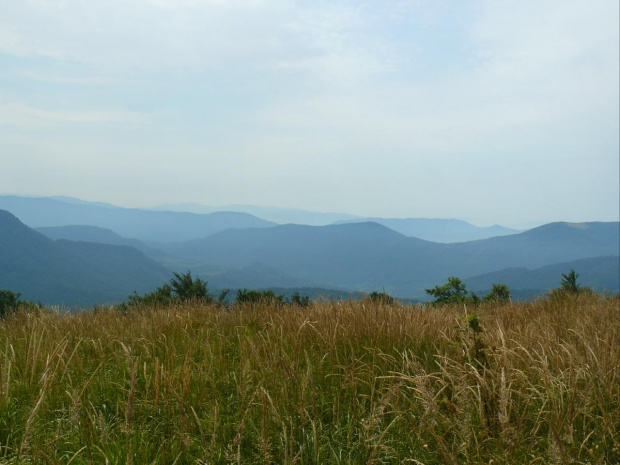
[179,222]
[154,226]
[276,214]
[88,263]
[68,272]
[254,276]
[99,235]
[369,256]
[599,273]
[438,230]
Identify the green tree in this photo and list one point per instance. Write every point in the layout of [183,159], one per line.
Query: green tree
[258,297]
[569,282]
[9,302]
[454,291]
[499,294]
[300,301]
[187,288]
[381,297]
[160,296]
[182,287]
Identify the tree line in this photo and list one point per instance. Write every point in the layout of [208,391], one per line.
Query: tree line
[184,287]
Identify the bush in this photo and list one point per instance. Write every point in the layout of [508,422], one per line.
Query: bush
[381,297]
[453,292]
[160,296]
[569,287]
[9,302]
[258,297]
[569,282]
[187,288]
[300,301]
[182,288]
[499,294]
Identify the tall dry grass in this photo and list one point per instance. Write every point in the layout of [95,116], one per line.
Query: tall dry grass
[334,383]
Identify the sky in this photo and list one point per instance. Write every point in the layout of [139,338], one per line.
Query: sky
[491,111]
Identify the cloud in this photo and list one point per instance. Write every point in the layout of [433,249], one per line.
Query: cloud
[11,42]
[265,90]
[68,79]
[551,66]
[18,114]
[526,38]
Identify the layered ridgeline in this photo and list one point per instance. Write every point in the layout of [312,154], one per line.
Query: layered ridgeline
[145,225]
[436,229]
[430,229]
[368,256]
[256,254]
[178,222]
[98,235]
[275,214]
[69,272]
[600,274]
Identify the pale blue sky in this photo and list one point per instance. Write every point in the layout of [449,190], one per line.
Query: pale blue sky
[494,111]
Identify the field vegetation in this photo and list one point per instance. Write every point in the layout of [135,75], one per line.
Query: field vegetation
[344,382]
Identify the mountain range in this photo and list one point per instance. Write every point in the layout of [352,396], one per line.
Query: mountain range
[98,235]
[85,252]
[600,274]
[71,272]
[369,256]
[178,222]
[275,214]
[430,229]
[145,225]
[437,230]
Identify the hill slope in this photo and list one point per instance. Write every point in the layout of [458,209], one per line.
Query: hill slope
[363,255]
[600,274]
[369,256]
[438,230]
[155,226]
[68,272]
[98,235]
[255,276]
[548,244]
[275,214]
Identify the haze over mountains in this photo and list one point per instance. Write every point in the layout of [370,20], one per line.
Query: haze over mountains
[145,225]
[102,253]
[438,230]
[600,273]
[370,256]
[275,214]
[99,235]
[70,272]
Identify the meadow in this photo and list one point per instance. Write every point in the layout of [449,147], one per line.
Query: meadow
[333,383]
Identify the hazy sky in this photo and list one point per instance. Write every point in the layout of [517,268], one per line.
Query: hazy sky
[492,110]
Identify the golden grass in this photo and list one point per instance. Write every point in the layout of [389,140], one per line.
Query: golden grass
[345,382]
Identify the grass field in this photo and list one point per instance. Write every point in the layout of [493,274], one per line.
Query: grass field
[345,382]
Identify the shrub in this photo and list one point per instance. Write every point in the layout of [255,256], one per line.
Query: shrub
[499,294]
[9,302]
[256,297]
[187,288]
[160,296]
[453,292]
[182,288]
[569,282]
[569,287]
[300,301]
[381,297]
